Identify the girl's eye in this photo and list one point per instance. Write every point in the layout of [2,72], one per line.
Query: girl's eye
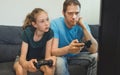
[44,20]
[41,21]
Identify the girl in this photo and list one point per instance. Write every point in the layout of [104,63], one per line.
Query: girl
[36,44]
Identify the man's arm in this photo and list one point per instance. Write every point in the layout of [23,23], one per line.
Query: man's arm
[88,36]
[58,51]
[74,47]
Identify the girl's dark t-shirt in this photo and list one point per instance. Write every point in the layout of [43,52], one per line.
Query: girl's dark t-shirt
[36,50]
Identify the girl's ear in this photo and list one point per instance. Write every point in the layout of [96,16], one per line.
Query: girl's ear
[34,24]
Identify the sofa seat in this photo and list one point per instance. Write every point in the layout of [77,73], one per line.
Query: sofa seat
[6,68]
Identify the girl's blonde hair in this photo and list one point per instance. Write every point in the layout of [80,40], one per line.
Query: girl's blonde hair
[31,17]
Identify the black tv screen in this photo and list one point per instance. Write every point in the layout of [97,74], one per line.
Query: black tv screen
[109,38]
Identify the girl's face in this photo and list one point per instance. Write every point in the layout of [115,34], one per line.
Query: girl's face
[42,22]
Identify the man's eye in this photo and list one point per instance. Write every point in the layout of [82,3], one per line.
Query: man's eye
[70,13]
[77,13]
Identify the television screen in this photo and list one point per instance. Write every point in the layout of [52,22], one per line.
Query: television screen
[109,38]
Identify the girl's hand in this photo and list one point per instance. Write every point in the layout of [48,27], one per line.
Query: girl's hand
[49,70]
[31,66]
[53,58]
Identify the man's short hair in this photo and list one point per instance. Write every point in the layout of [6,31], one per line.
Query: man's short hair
[69,2]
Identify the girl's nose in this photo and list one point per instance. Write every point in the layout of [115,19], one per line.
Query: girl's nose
[47,22]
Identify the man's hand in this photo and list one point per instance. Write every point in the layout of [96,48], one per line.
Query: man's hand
[81,23]
[75,46]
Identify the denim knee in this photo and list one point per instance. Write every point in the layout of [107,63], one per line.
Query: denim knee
[61,66]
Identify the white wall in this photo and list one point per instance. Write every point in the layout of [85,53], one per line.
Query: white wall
[13,12]
[90,10]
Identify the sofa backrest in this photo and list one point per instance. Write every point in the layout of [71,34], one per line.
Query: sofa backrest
[10,42]
[95,31]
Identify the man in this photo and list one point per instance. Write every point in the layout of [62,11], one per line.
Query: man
[70,33]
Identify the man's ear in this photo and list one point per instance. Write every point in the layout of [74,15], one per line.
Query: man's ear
[34,24]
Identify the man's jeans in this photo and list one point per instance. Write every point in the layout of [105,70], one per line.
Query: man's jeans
[61,66]
[82,59]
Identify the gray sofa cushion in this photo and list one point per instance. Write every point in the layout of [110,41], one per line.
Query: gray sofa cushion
[77,70]
[6,68]
[10,35]
[95,31]
[8,52]
[10,41]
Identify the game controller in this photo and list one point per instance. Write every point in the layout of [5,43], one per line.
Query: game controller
[43,62]
[88,43]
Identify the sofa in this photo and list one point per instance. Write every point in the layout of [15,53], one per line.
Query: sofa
[10,43]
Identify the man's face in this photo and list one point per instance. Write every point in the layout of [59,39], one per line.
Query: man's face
[71,15]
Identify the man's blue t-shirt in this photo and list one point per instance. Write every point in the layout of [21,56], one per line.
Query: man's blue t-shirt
[65,34]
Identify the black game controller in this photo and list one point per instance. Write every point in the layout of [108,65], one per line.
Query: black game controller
[43,62]
[88,43]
